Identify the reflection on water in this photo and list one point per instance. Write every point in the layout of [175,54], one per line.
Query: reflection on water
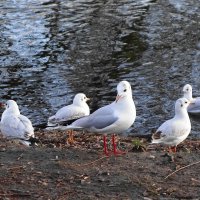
[50,50]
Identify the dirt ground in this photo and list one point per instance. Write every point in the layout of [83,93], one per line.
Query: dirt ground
[57,170]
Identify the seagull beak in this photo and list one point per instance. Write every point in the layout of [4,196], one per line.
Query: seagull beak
[117,98]
[191,102]
[2,105]
[87,99]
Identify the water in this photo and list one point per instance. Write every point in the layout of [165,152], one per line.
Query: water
[51,50]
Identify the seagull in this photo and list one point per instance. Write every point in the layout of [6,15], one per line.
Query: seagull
[174,131]
[79,108]
[194,107]
[113,118]
[14,125]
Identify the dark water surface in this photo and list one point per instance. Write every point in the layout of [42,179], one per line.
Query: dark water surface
[51,50]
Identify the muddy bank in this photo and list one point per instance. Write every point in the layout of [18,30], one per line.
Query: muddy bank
[56,170]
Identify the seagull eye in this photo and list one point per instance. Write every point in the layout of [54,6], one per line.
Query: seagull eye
[187,89]
[125,90]
[185,102]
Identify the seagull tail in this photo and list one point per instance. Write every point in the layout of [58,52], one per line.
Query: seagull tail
[50,124]
[156,137]
[32,141]
[63,128]
[26,143]
[52,120]
[50,128]
[155,141]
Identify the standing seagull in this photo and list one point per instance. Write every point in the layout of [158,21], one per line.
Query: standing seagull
[194,107]
[79,108]
[113,118]
[174,131]
[14,125]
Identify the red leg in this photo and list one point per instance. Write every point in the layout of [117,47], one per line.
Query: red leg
[174,149]
[114,144]
[105,145]
[70,139]
[115,151]
[169,149]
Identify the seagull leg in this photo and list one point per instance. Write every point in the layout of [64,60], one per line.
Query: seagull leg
[169,149]
[173,149]
[115,151]
[70,139]
[105,145]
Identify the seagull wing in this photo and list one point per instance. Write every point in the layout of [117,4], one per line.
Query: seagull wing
[17,127]
[100,119]
[67,113]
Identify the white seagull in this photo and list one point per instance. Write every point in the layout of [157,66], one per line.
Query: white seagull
[79,108]
[194,107]
[14,125]
[174,131]
[113,118]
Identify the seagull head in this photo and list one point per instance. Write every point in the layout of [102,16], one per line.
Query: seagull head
[80,98]
[182,104]
[123,90]
[187,91]
[12,107]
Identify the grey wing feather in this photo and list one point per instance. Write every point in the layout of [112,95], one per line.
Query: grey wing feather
[98,122]
[103,121]
[100,119]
